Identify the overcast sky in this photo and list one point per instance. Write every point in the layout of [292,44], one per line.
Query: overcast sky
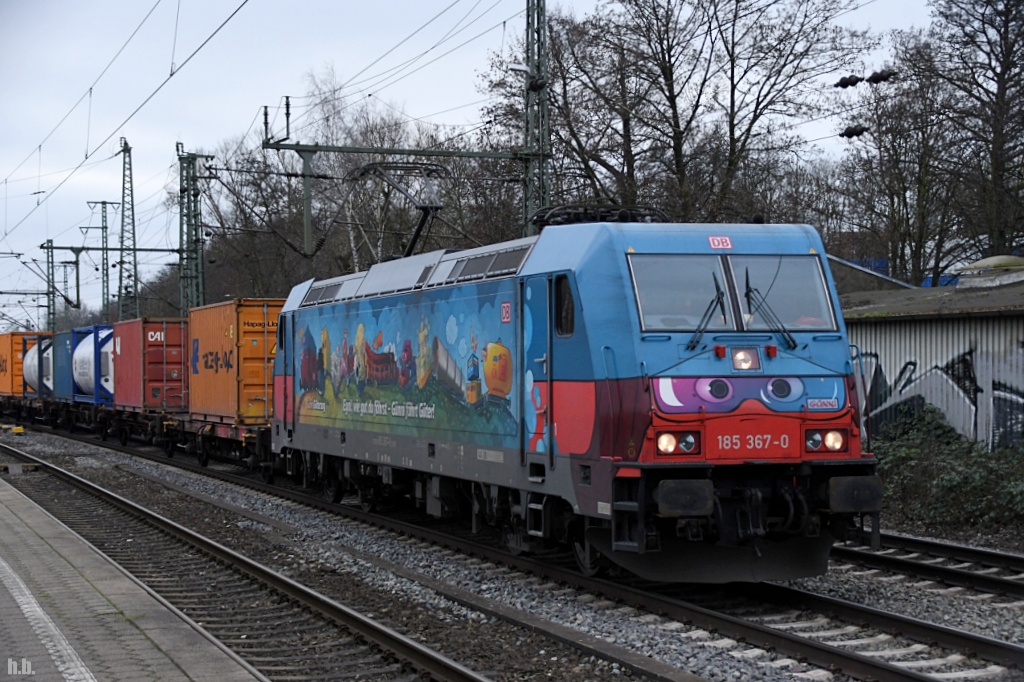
[76,77]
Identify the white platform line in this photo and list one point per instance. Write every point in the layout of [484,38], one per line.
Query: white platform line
[61,651]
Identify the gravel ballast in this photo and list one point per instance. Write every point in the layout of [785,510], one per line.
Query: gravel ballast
[340,558]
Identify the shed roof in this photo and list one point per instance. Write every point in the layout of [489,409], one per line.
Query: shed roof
[974,299]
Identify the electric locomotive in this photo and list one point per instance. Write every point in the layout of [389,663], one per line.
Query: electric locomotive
[674,399]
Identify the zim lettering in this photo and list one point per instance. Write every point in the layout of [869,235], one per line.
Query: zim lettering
[219,359]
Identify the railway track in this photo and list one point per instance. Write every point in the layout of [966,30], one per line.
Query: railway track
[282,628]
[944,565]
[752,621]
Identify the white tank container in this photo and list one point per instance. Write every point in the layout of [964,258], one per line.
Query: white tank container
[83,367]
[32,369]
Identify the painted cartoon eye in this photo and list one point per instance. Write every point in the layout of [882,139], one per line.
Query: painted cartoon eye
[785,389]
[714,390]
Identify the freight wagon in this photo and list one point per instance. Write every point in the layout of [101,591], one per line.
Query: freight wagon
[230,357]
[150,376]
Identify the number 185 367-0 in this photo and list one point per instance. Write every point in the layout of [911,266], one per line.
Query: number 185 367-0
[752,441]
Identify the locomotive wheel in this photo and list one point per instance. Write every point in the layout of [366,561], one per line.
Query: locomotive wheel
[588,560]
[331,487]
[298,471]
[367,499]
[512,538]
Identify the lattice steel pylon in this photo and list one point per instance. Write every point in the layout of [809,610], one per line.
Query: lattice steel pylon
[190,262]
[51,288]
[128,274]
[537,142]
[104,257]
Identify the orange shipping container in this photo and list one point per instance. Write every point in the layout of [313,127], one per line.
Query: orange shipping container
[12,357]
[231,360]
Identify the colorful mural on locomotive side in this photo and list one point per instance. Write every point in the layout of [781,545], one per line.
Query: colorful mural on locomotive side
[442,360]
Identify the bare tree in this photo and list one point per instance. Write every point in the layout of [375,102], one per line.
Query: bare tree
[772,56]
[670,102]
[980,53]
[903,178]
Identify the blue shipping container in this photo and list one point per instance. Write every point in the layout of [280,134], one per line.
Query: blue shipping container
[63,379]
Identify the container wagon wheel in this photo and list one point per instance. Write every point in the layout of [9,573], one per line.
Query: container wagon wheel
[267,473]
[169,447]
[123,436]
[202,447]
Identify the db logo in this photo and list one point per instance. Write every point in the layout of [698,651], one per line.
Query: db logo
[720,242]
[506,312]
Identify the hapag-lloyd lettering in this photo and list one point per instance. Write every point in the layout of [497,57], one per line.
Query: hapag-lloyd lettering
[259,324]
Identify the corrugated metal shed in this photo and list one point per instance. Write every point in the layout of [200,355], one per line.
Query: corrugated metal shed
[959,348]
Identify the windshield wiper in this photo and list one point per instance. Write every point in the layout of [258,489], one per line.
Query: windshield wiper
[774,323]
[705,321]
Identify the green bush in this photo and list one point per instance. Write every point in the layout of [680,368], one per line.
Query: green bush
[937,481]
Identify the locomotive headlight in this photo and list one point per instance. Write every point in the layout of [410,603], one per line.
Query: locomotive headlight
[667,443]
[833,441]
[686,443]
[745,359]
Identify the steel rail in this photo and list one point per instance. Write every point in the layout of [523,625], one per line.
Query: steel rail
[950,575]
[422,658]
[822,655]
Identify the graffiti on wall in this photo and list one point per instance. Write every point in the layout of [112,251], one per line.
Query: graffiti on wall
[980,393]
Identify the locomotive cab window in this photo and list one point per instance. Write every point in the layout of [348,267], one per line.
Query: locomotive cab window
[676,291]
[787,290]
[565,313]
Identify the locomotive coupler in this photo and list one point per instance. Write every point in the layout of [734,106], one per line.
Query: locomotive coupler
[748,516]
